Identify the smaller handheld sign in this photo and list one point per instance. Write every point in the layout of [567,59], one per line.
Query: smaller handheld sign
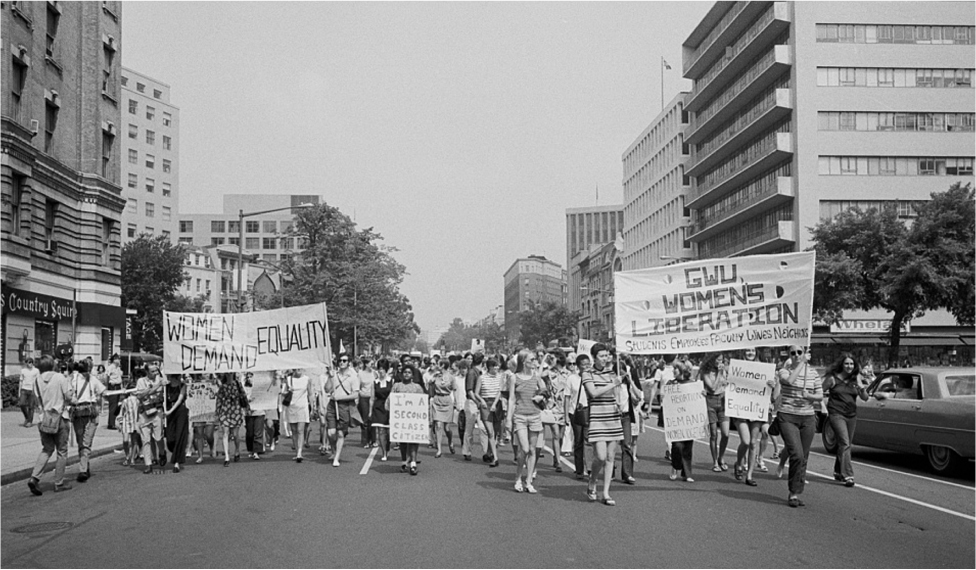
[409,418]
[201,401]
[685,413]
[748,394]
[584,346]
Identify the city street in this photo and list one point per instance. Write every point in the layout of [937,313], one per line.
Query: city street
[276,513]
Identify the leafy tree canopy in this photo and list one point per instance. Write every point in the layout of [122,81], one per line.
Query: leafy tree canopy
[547,321]
[152,272]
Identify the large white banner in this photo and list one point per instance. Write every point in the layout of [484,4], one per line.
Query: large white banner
[279,339]
[685,413]
[748,393]
[715,304]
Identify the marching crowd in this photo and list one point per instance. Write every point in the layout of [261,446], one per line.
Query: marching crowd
[586,404]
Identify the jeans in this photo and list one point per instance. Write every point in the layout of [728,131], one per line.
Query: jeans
[84,434]
[49,443]
[797,432]
[844,431]
[254,433]
[580,432]
[626,449]
[681,456]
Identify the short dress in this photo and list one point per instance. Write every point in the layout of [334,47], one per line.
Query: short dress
[381,391]
[229,412]
[297,412]
[605,424]
[443,400]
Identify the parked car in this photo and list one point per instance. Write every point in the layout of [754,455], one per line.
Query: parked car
[928,411]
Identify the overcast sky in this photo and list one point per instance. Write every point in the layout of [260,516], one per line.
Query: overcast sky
[461,132]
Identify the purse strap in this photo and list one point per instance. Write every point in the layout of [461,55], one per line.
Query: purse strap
[85,386]
[37,391]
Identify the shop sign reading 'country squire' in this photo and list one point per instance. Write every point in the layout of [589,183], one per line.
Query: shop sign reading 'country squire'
[715,304]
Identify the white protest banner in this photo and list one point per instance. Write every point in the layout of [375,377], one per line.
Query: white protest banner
[748,393]
[409,415]
[584,346]
[715,304]
[201,401]
[264,391]
[685,414]
[279,339]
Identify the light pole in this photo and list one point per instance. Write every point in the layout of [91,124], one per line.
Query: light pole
[240,246]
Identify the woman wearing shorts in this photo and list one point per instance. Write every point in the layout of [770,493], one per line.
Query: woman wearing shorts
[343,390]
[750,432]
[713,373]
[526,394]
[488,390]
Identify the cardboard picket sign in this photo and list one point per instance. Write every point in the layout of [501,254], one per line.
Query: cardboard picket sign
[201,401]
[584,346]
[685,412]
[409,418]
[747,395]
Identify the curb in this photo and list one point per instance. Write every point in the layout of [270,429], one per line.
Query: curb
[24,474]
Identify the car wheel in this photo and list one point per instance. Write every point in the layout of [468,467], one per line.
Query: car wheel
[942,459]
[829,438]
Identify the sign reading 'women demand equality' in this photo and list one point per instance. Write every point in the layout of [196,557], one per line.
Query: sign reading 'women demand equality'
[293,337]
[715,304]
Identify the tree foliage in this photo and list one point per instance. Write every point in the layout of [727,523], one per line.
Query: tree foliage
[547,321]
[868,260]
[152,272]
[353,273]
[459,336]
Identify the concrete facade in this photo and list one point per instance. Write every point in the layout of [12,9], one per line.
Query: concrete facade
[532,279]
[60,171]
[150,157]
[585,227]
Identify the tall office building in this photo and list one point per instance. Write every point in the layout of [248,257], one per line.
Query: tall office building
[150,149]
[656,189]
[62,202]
[530,280]
[802,110]
[585,228]
[263,235]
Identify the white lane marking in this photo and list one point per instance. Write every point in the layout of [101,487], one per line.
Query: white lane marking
[562,459]
[369,460]
[901,498]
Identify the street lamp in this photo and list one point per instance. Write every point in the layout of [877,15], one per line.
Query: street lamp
[240,246]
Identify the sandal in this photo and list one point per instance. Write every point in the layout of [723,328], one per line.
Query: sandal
[609,502]
[762,468]
[591,494]
[751,483]
[738,473]
[518,486]
[849,482]
[674,474]
[717,469]
[413,469]
[724,466]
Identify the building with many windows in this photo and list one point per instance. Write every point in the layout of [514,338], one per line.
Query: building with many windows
[656,219]
[62,201]
[264,235]
[586,227]
[801,110]
[151,158]
[531,280]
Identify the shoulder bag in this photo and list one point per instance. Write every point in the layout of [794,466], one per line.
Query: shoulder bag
[242,396]
[85,409]
[150,404]
[286,399]
[51,419]
[581,416]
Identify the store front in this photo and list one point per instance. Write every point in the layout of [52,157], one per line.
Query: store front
[867,340]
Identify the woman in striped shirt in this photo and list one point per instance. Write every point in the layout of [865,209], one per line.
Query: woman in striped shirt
[526,395]
[801,389]
[488,392]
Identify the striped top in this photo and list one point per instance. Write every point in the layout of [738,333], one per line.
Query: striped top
[792,400]
[525,390]
[129,414]
[491,385]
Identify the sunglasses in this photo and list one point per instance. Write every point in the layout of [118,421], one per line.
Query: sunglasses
[343,360]
[795,352]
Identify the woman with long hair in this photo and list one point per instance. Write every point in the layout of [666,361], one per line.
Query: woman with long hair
[527,393]
[843,387]
[715,376]
[177,417]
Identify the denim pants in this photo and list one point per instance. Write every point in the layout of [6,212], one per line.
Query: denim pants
[844,431]
[797,432]
[51,442]
[626,449]
[84,434]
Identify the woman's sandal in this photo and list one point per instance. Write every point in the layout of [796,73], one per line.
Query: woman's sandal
[724,466]
[751,483]
[609,502]
[717,468]
[591,494]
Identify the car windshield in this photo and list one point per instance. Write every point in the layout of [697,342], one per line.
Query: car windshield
[961,385]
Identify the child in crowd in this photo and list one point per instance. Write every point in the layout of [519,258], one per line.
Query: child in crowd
[128,425]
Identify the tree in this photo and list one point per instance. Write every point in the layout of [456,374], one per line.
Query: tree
[547,321]
[187,304]
[152,271]
[353,273]
[868,260]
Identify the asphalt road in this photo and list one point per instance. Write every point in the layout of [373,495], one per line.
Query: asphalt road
[454,514]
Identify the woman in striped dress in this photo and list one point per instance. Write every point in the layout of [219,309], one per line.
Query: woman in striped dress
[606,428]
[488,391]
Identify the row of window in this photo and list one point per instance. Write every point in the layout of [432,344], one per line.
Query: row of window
[133,208]
[830,209]
[893,77]
[763,185]
[132,230]
[750,233]
[751,151]
[150,185]
[869,121]
[150,160]
[150,137]
[895,166]
[885,34]
[150,113]
[141,88]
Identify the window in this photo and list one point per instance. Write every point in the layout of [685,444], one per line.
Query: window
[150,210]
[140,87]
[133,205]
[186,226]
[150,137]
[108,141]
[252,227]
[233,226]
[217,241]
[167,189]
[150,112]
[125,81]
[167,119]
[217,226]
[198,284]
[206,286]
[133,131]
[150,185]
[50,123]
[252,243]
[270,227]
[186,239]
[167,213]
[130,231]
[234,240]
[133,180]
[150,161]
[157,93]
[269,243]
[133,107]
[167,143]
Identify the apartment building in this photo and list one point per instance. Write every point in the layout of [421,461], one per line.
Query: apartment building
[150,147]
[60,177]
[656,189]
[530,280]
[586,227]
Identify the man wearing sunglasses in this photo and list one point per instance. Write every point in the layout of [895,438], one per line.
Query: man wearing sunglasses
[801,390]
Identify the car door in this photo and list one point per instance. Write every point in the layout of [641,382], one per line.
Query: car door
[901,413]
[870,422]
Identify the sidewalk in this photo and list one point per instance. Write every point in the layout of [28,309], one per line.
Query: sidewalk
[19,446]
